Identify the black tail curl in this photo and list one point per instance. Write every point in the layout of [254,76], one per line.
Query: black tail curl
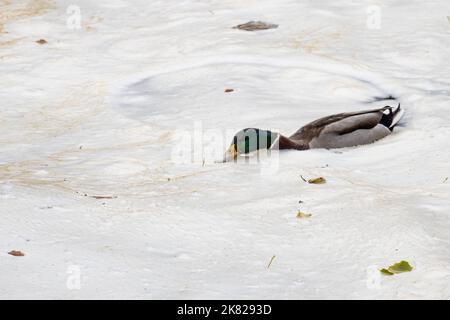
[388,118]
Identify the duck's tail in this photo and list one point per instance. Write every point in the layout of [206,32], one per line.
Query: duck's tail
[392,117]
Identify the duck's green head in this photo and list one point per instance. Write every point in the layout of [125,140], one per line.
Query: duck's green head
[249,140]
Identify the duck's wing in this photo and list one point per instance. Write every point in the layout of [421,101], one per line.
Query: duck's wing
[345,129]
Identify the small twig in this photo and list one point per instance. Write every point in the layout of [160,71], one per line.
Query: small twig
[271,260]
[103,197]
[97,197]
[303,178]
[445,180]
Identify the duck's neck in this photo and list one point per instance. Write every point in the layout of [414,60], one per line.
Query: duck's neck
[285,143]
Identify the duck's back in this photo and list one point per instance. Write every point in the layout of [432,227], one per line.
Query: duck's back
[347,129]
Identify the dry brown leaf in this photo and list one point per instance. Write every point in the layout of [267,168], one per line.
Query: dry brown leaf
[16,253]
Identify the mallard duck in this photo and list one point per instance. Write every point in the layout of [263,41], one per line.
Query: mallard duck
[335,131]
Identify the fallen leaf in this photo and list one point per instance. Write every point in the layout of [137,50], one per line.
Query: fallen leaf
[229,90]
[302,215]
[386,272]
[41,41]
[16,253]
[402,266]
[399,267]
[255,26]
[319,180]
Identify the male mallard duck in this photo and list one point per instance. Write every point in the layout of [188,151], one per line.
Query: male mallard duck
[335,131]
